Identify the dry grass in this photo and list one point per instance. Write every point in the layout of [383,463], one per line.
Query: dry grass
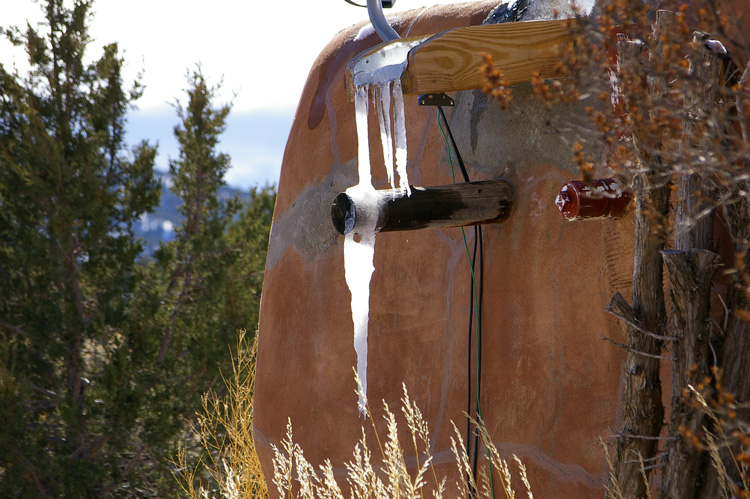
[228,466]
[728,434]
[294,476]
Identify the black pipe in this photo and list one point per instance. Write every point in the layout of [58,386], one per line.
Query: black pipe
[454,205]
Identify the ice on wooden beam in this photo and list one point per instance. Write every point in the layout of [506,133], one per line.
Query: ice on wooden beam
[385,63]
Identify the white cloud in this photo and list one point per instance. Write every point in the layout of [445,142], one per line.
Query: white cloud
[263,49]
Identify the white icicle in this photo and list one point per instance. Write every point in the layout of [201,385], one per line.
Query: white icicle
[361,103]
[399,125]
[359,256]
[358,267]
[383,107]
[359,244]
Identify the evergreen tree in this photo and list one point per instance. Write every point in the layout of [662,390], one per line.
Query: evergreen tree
[208,275]
[104,358]
[249,233]
[194,260]
[209,278]
[69,194]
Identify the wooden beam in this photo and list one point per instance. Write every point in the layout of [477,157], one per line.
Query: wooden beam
[450,61]
[454,205]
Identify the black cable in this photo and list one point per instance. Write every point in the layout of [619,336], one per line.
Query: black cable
[478,245]
[468,367]
[479,348]
[469,344]
[460,160]
[478,241]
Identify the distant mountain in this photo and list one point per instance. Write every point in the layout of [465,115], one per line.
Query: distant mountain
[160,225]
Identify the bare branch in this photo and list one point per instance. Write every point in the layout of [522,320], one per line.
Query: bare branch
[642,460]
[741,106]
[14,329]
[625,434]
[620,308]
[637,352]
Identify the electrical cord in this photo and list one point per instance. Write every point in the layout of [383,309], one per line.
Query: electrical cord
[460,160]
[475,306]
[478,341]
[472,259]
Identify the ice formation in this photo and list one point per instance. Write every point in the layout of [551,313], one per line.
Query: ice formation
[399,123]
[359,255]
[359,244]
[383,106]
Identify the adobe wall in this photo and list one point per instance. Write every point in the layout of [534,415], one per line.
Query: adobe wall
[550,384]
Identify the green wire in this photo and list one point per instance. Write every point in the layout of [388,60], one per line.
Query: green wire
[474,290]
[468,255]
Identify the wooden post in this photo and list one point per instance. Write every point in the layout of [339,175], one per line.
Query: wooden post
[691,267]
[694,210]
[734,349]
[455,205]
[643,411]
[691,274]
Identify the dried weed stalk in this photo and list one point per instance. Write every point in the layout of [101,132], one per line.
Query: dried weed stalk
[727,436]
[295,477]
[227,465]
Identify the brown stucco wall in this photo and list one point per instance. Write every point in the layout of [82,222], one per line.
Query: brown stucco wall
[550,385]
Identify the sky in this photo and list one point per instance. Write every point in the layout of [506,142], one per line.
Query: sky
[260,51]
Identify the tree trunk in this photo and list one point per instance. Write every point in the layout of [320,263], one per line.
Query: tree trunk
[643,411]
[734,353]
[691,267]
[691,275]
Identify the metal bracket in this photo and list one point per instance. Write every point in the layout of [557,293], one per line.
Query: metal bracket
[441,99]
